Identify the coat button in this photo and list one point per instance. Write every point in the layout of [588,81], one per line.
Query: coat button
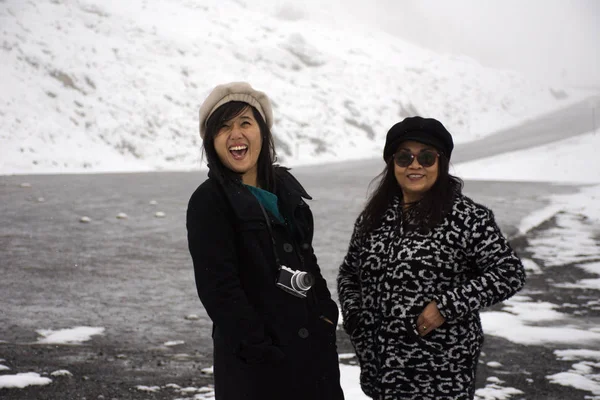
[303,333]
[288,248]
[305,246]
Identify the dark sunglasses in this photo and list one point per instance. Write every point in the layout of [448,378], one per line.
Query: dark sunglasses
[425,158]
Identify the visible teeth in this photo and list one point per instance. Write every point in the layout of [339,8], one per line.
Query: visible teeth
[238,148]
[415,176]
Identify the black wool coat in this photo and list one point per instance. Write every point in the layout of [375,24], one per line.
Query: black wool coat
[267,342]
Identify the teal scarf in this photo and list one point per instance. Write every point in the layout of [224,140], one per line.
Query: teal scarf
[268,200]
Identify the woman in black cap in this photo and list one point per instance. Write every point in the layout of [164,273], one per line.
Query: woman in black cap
[250,236]
[422,261]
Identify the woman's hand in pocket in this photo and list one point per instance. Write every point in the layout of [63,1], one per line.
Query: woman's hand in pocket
[430,319]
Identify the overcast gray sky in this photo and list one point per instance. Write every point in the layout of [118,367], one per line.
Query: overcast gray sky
[552,40]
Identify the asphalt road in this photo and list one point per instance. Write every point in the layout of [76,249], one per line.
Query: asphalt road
[134,276]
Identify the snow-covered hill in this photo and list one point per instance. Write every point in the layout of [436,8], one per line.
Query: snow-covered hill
[94,85]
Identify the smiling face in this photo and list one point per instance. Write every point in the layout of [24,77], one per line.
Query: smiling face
[415,180]
[238,143]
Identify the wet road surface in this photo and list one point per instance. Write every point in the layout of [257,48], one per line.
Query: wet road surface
[134,276]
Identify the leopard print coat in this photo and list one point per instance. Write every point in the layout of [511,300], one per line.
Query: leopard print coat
[388,277]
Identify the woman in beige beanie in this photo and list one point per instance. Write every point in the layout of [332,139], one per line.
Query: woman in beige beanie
[250,237]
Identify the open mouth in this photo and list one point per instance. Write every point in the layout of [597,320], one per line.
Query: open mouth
[415,176]
[238,152]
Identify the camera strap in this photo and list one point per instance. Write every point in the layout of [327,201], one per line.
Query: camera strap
[270,228]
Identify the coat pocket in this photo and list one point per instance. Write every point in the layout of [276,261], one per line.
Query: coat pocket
[423,341]
[362,340]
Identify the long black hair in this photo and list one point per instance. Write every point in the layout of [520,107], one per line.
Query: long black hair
[427,212]
[266,158]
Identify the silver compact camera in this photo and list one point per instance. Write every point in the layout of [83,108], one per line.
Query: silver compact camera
[294,282]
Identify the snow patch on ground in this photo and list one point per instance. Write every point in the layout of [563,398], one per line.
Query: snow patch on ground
[149,389]
[350,377]
[584,375]
[61,372]
[570,242]
[199,393]
[493,390]
[531,267]
[516,329]
[75,335]
[174,343]
[23,380]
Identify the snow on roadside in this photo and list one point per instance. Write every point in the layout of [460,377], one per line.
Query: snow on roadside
[198,393]
[570,242]
[583,375]
[493,390]
[61,372]
[75,335]
[349,379]
[23,380]
[519,329]
[149,389]
[172,343]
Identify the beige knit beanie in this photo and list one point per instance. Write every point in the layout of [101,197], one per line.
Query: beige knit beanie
[235,91]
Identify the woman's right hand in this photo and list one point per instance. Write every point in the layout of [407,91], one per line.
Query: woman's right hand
[430,319]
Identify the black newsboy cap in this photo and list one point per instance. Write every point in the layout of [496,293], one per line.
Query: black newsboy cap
[423,130]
